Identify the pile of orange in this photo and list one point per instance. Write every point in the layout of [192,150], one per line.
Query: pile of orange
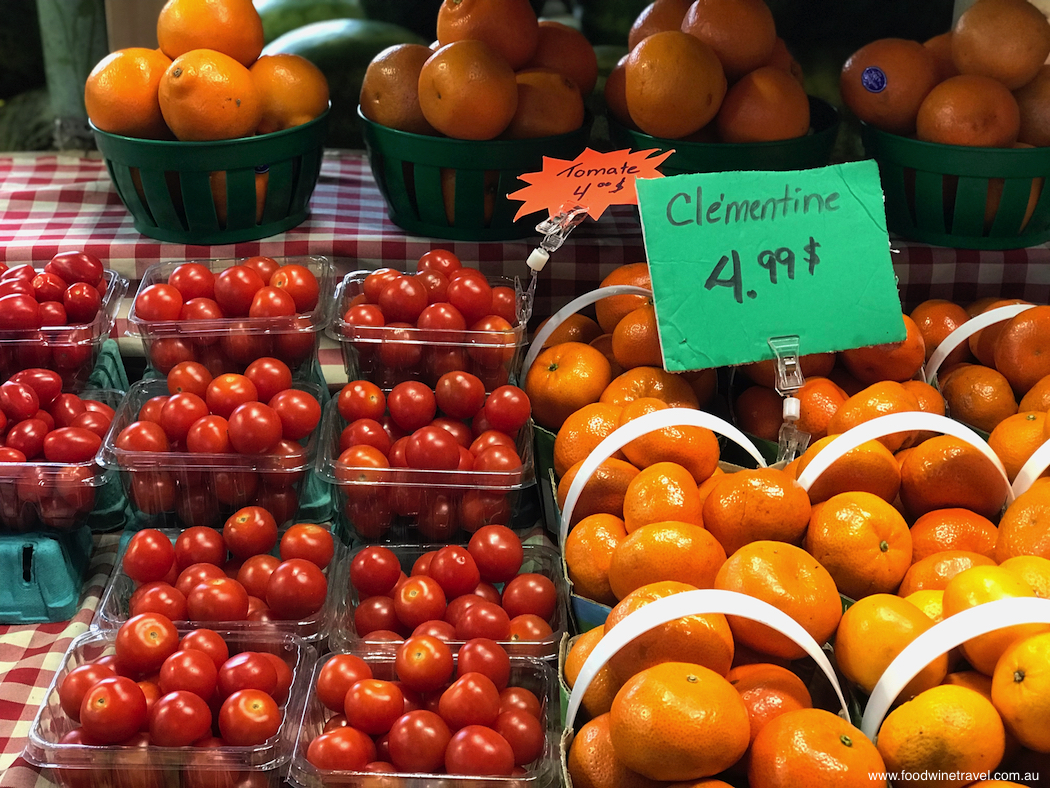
[709,71]
[495,71]
[206,81]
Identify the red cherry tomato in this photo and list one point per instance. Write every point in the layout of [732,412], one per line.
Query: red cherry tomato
[343,749]
[76,267]
[234,289]
[419,599]
[507,409]
[189,376]
[376,281]
[336,677]
[271,302]
[255,573]
[505,303]
[529,627]
[143,642]
[249,717]
[190,670]
[483,620]
[264,266]
[209,642]
[227,391]
[269,375]
[209,435]
[460,394]
[432,448]
[373,705]
[360,399]
[45,382]
[497,551]
[412,405]
[524,733]
[158,302]
[250,531]
[179,413]
[82,302]
[247,670]
[193,280]
[148,556]
[311,542]
[76,684]
[471,295]
[199,545]
[472,699]
[161,597]
[403,299]
[417,742]
[374,571]
[455,571]
[424,663]
[254,428]
[297,590]
[299,412]
[113,710]
[142,436]
[18,401]
[478,750]
[195,574]
[530,593]
[300,283]
[485,656]
[440,260]
[436,284]
[218,599]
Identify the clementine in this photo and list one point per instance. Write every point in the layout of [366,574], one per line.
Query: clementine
[741,32]
[752,505]
[668,550]
[563,379]
[952,529]
[588,552]
[120,94]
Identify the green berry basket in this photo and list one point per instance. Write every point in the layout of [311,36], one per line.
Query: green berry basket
[800,153]
[946,194]
[174,189]
[457,189]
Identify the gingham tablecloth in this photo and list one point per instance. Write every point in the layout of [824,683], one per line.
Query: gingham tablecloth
[29,657]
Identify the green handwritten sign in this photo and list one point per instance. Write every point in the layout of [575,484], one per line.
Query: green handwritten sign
[739,257]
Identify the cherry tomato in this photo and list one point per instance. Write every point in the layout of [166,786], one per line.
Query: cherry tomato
[145,436]
[412,405]
[496,459]
[493,341]
[300,283]
[242,344]
[507,409]
[234,289]
[76,684]
[308,541]
[358,319]
[455,571]
[483,620]
[247,670]
[190,577]
[530,592]
[477,750]
[505,304]
[284,677]
[403,299]
[148,556]
[269,375]
[458,606]
[472,699]
[45,382]
[254,428]
[249,717]
[82,302]
[199,545]
[360,399]
[419,599]
[150,410]
[432,448]
[281,502]
[218,599]
[529,627]
[485,656]
[209,435]
[437,519]
[524,733]
[436,284]
[191,377]
[158,302]
[440,260]
[250,531]
[255,573]
[373,705]
[497,551]
[299,413]
[112,710]
[336,677]
[471,295]
[71,445]
[442,630]
[520,699]
[27,437]
[93,421]
[365,432]
[159,597]
[199,310]
[424,663]
[193,280]
[375,613]
[209,642]
[144,641]
[374,571]
[460,394]
[489,593]
[376,281]
[417,742]
[271,302]
[297,589]
[227,391]
[179,413]
[190,670]
[265,267]
[400,347]
[166,352]
[76,267]
[18,401]
[344,749]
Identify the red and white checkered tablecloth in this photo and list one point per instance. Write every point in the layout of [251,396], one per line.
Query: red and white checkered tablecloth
[29,657]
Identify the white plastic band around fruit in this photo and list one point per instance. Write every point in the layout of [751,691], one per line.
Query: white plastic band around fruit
[967,330]
[1032,469]
[636,428]
[694,603]
[941,638]
[572,308]
[890,424]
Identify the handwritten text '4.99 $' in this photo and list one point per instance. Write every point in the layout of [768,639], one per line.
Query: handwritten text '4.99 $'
[769,259]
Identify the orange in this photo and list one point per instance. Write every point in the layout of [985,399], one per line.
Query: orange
[891,361]
[878,399]
[604,491]
[752,505]
[930,601]
[597,700]
[615,94]
[563,379]
[1033,569]
[679,721]
[665,551]
[979,396]
[982,343]
[588,552]
[1007,40]
[390,89]
[869,467]
[1023,529]
[694,448]
[812,365]
[1016,438]
[467,90]
[592,761]
[649,382]
[703,639]
[509,27]
[1020,691]
[217,182]
[791,580]
[656,17]
[872,632]
[206,95]
[487,192]
[581,432]
[819,398]
[885,82]
[232,27]
[936,318]
[663,491]
[1033,100]
[574,328]
[604,344]
[674,84]
[941,47]
[768,691]
[612,309]
[765,105]
[944,729]
[760,412]
[636,340]
[969,110]
[1022,353]
[293,90]
[784,60]
[952,529]
[741,32]
[995,195]
[810,747]
[120,94]
[982,584]
[973,679]
[862,541]
[935,571]
[549,103]
[946,472]
[567,51]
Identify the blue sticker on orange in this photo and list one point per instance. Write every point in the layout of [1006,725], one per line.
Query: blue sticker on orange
[873,79]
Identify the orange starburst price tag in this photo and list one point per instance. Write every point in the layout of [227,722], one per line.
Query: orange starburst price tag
[594,180]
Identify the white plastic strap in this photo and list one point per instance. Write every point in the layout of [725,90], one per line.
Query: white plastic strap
[967,330]
[693,603]
[941,638]
[636,428]
[571,308]
[1032,469]
[890,424]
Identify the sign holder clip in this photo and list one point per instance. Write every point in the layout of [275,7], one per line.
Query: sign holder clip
[789,379]
[555,230]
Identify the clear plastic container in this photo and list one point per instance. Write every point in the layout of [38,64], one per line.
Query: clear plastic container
[538,559]
[113,606]
[405,505]
[54,496]
[168,767]
[180,489]
[231,344]
[72,350]
[532,674]
[389,355]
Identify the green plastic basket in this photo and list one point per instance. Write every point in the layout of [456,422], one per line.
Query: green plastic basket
[408,170]
[938,194]
[801,153]
[166,186]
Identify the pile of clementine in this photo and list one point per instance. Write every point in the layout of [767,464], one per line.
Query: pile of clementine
[709,71]
[206,81]
[495,71]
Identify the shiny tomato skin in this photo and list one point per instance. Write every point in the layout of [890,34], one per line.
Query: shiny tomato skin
[309,541]
[505,304]
[284,677]
[234,289]
[71,445]
[82,302]
[218,599]
[158,303]
[271,302]
[419,599]
[189,376]
[376,281]
[254,428]
[195,574]
[424,663]
[48,287]
[403,299]
[484,620]
[508,409]
[144,641]
[460,394]
[147,436]
[432,448]
[45,382]
[193,280]
[417,742]
[158,597]
[249,717]
[530,592]
[436,284]
[209,435]
[199,545]
[336,677]
[27,437]
[440,260]
[250,531]
[264,266]
[76,266]
[485,656]
[93,421]
[478,750]
[76,684]
[374,571]
[246,670]
[113,710]
[455,571]
[373,705]
[255,573]
[227,391]
[472,296]
[178,719]
[148,556]
[520,699]
[180,413]
[269,375]
[300,283]
[297,590]
[472,699]
[412,405]
[497,551]
[298,411]
[18,401]
[343,749]
[360,399]
[209,642]
[375,613]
